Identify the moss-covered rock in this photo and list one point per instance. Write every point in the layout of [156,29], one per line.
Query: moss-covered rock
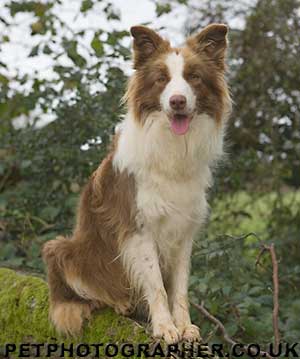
[24,316]
[24,324]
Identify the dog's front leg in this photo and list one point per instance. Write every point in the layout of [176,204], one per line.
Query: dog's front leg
[140,258]
[178,292]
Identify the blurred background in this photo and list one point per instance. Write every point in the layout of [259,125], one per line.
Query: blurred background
[63,69]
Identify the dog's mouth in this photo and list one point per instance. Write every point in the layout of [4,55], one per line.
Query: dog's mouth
[180,123]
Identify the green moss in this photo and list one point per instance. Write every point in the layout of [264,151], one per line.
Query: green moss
[24,317]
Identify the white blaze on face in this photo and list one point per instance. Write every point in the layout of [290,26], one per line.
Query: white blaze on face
[177,85]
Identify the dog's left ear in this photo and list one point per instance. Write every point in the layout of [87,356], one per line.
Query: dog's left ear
[146,43]
[212,40]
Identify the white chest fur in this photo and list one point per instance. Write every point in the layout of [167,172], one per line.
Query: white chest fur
[172,174]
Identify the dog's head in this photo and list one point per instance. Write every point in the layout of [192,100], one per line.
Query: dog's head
[179,82]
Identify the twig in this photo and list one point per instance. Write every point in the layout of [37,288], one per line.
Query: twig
[4,179]
[271,249]
[227,338]
[261,252]
[214,320]
[227,245]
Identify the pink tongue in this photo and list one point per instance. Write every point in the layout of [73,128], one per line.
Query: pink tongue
[180,124]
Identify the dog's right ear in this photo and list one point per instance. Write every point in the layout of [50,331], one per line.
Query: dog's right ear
[212,40]
[146,43]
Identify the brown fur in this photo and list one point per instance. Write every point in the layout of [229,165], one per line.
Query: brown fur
[145,87]
[151,76]
[85,271]
[208,82]
[147,43]
[211,42]
[204,69]
[90,257]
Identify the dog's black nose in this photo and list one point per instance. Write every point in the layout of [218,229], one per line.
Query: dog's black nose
[177,102]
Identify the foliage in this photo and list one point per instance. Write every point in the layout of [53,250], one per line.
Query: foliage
[44,165]
[226,276]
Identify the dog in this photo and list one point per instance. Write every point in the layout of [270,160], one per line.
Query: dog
[140,210]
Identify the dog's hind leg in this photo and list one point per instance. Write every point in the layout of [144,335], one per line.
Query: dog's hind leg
[67,309]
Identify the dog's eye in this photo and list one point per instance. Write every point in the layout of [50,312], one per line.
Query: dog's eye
[161,79]
[195,77]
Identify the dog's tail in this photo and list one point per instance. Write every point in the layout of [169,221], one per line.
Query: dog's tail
[67,310]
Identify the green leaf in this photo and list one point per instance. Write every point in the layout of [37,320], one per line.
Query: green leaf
[16,261]
[3,79]
[38,27]
[50,213]
[86,5]
[25,164]
[34,250]
[226,289]
[202,287]
[162,9]
[232,328]
[97,46]
[111,13]
[255,290]
[47,237]
[47,50]
[2,64]
[71,48]
[8,251]
[5,38]
[71,202]
[38,8]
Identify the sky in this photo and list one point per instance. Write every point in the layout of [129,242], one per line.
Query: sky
[15,52]
[133,12]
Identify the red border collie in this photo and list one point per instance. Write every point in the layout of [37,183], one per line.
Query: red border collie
[142,207]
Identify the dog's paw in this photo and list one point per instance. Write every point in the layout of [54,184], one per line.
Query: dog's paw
[191,333]
[168,332]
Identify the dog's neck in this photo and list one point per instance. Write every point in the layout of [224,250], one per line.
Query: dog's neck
[153,148]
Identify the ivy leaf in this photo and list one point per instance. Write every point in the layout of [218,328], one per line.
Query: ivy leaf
[4,21]
[47,50]
[162,9]
[34,51]
[5,38]
[50,213]
[38,8]
[38,27]
[86,5]
[232,328]
[111,12]
[2,64]
[97,46]
[4,80]
[71,48]
[8,251]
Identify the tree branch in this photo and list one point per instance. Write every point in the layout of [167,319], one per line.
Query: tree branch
[226,337]
[271,249]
